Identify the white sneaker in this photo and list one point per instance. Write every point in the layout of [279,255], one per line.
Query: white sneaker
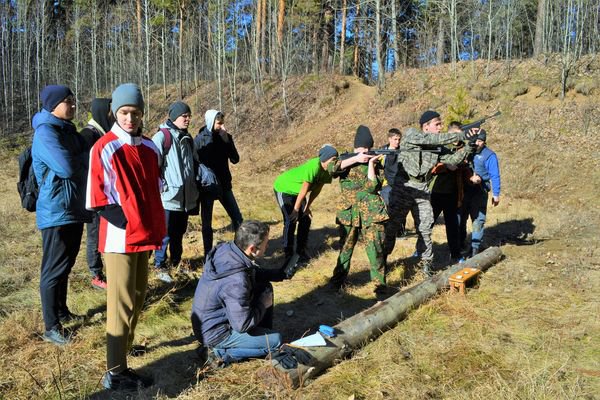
[164,276]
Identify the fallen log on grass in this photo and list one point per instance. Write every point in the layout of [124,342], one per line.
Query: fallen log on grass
[355,331]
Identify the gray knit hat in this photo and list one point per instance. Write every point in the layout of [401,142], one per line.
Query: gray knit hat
[127,94]
[326,152]
[178,108]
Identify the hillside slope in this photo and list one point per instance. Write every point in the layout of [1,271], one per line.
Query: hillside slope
[530,331]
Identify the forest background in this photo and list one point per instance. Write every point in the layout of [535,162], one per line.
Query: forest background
[92,46]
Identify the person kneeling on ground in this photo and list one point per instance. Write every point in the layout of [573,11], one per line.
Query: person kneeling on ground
[232,309]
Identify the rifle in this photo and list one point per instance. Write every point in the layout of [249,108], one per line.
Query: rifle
[477,124]
[387,152]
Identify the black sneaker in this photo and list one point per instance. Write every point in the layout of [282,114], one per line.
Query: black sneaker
[383,289]
[68,316]
[336,287]
[303,258]
[137,350]
[127,380]
[56,336]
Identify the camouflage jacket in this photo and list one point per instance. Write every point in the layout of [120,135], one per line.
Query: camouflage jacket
[418,164]
[359,204]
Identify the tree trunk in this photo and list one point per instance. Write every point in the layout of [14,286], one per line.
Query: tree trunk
[343,36]
[355,331]
[395,33]
[280,21]
[356,68]
[263,38]
[181,42]
[439,52]
[378,49]
[326,35]
[538,44]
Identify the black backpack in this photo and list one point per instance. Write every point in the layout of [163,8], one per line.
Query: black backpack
[27,185]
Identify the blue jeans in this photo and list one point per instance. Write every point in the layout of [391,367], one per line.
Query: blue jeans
[256,343]
[207,203]
[177,222]
[474,206]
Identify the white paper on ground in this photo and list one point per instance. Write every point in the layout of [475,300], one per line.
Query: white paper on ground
[310,341]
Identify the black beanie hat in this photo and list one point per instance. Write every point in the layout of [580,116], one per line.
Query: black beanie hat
[100,110]
[53,95]
[178,108]
[363,137]
[482,135]
[428,116]
[326,152]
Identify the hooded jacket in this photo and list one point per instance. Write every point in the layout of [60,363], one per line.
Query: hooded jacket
[180,192]
[226,298]
[100,122]
[60,161]
[214,152]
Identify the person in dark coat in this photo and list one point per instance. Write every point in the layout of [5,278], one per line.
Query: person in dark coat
[101,122]
[232,308]
[215,148]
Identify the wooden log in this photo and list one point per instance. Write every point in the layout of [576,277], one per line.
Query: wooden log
[353,332]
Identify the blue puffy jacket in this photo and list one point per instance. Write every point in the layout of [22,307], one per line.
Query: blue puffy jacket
[60,163]
[226,297]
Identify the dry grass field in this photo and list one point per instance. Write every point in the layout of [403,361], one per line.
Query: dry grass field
[531,330]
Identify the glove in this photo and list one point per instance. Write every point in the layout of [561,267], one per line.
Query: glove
[286,360]
[293,217]
[289,356]
[114,214]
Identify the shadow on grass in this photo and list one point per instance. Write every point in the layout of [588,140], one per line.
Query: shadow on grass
[515,232]
[178,371]
[172,375]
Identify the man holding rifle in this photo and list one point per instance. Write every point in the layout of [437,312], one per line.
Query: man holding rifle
[410,191]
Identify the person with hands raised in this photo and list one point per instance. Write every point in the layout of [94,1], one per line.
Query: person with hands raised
[215,149]
[232,307]
[360,209]
[410,190]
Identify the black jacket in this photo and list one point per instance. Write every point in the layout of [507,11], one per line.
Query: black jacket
[214,153]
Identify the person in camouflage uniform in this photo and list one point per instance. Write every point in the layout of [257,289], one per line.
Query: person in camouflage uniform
[410,191]
[360,209]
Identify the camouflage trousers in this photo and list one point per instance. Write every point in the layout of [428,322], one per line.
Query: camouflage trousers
[411,197]
[373,236]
